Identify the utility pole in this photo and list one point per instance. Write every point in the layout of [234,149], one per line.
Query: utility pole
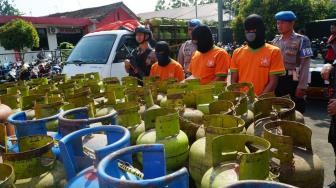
[220,20]
[196,8]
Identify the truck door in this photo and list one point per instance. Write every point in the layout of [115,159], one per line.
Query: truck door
[125,47]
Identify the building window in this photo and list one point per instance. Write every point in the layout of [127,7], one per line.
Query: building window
[69,35]
[43,35]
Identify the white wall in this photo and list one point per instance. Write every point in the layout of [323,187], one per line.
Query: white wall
[92,28]
[6,58]
[52,41]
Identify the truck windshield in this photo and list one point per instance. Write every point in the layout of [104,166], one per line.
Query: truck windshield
[92,50]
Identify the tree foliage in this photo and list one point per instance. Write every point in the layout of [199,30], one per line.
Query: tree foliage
[8,9]
[160,5]
[18,34]
[66,45]
[305,10]
[169,4]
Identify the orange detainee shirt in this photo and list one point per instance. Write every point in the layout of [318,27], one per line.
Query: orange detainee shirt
[255,66]
[172,70]
[207,66]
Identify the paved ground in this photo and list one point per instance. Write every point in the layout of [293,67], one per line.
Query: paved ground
[317,119]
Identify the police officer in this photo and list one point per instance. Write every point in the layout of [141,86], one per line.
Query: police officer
[188,48]
[327,72]
[142,58]
[296,51]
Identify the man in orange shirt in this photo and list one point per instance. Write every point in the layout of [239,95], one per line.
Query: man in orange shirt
[257,62]
[209,63]
[166,67]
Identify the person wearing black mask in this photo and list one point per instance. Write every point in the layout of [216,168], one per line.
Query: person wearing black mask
[209,63]
[165,67]
[257,62]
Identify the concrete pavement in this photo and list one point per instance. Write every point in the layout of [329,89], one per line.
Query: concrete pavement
[317,119]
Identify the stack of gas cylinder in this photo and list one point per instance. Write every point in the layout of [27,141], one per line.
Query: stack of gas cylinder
[87,132]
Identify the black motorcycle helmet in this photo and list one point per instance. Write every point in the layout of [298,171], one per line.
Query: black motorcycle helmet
[144,30]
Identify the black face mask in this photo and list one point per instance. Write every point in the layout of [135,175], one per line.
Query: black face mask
[162,53]
[202,34]
[163,60]
[255,39]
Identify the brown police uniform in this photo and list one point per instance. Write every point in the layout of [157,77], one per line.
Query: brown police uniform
[294,51]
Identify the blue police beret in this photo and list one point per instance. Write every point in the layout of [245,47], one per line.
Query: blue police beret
[194,23]
[285,16]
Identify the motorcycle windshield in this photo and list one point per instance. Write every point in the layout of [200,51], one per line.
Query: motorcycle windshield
[93,50]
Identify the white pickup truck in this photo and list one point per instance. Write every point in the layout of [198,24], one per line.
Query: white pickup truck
[102,52]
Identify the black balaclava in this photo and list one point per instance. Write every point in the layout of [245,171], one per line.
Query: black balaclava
[162,53]
[202,34]
[256,39]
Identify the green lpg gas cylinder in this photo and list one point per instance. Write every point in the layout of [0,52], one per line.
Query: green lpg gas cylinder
[200,155]
[48,110]
[270,109]
[35,165]
[95,87]
[111,80]
[190,121]
[118,89]
[22,90]
[129,81]
[28,103]
[241,106]
[200,98]
[246,88]
[217,107]
[298,115]
[129,117]
[237,157]
[12,100]
[7,176]
[292,154]
[162,126]
[174,96]
[219,87]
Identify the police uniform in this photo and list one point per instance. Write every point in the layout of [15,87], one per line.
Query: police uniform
[144,59]
[294,50]
[188,48]
[185,54]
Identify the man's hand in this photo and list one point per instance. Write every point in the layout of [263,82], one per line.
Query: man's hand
[127,65]
[299,93]
[332,107]
[325,72]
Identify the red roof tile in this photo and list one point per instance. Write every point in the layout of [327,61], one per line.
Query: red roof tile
[49,20]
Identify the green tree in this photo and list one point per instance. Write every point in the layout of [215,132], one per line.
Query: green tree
[66,49]
[306,11]
[160,5]
[169,4]
[7,8]
[178,3]
[18,34]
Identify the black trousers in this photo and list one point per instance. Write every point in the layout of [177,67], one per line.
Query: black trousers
[334,147]
[286,86]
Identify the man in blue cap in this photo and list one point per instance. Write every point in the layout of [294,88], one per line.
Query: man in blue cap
[188,48]
[296,51]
